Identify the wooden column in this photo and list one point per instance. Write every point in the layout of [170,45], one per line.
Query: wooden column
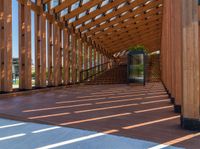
[95,60]
[56,53]
[177,53]
[85,56]
[74,58]
[66,56]
[80,57]
[6,46]
[90,56]
[191,65]
[60,54]
[40,50]
[50,53]
[25,77]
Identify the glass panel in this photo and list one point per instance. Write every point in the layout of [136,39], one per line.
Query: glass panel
[136,68]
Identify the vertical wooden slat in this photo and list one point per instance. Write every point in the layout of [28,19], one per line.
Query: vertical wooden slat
[6,46]
[59,57]
[80,57]
[50,53]
[1,44]
[25,47]
[90,56]
[74,58]
[56,50]
[38,35]
[85,56]
[43,51]
[66,56]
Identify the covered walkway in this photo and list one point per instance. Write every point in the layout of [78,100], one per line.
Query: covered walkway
[57,58]
[134,112]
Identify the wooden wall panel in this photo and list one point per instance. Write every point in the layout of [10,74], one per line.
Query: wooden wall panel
[25,76]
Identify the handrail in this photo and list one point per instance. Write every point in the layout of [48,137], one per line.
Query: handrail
[94,71]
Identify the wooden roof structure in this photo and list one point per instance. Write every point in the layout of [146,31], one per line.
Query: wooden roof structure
[111,25]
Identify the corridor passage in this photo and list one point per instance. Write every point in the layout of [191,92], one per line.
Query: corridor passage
[94,116]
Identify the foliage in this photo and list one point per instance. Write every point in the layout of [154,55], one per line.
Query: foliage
[139,48]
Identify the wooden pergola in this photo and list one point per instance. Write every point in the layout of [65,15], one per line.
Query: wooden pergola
[81,34]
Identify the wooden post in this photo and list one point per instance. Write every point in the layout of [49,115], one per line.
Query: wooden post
[86,56]
[25,76]
[190,63]
[66,56]
[6,46]
[90,56]
[50,53]
[56,51]
[177,52]
[60,54]
[40,50]
[74,58]
[80,65]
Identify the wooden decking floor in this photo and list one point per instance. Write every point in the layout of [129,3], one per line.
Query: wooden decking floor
[134,111]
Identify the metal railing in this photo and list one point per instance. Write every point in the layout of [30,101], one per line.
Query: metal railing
[91,73]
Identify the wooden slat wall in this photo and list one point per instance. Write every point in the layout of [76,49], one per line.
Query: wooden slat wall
[180,55]
[6,46]
[25,77]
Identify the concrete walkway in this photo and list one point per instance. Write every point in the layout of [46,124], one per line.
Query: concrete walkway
[23,135]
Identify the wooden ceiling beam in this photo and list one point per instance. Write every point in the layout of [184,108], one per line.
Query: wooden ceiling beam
[138,37]
[81,9]
[132,21]
[98,12]
[130,16]
[132,35]
[119,11]
[64,5]
[130,29]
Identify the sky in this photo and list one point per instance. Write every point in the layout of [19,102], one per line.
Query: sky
[15,39]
